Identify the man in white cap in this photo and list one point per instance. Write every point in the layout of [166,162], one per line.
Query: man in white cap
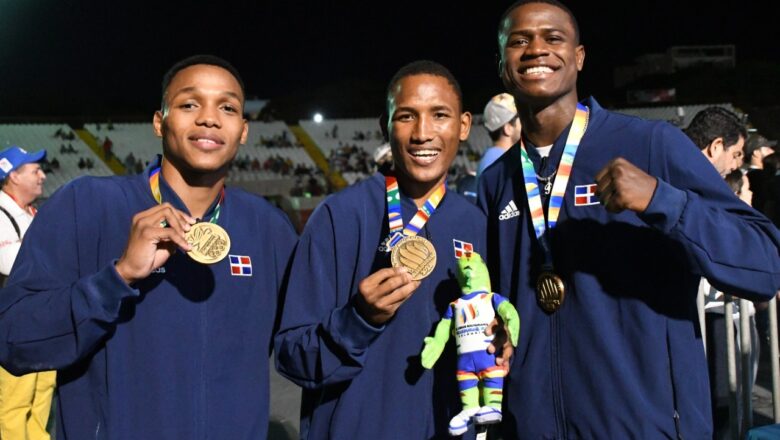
[503,125]
[24,401]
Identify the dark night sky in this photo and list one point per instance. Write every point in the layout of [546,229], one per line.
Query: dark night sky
[76,58]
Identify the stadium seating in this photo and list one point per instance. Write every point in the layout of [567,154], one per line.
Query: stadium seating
[348,132]
[672,113]
[137,138]
[364,134]
[34,137]
[264,142]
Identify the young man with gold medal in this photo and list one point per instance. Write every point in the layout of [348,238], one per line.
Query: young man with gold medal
[603,266]
[374,271]
[155,295]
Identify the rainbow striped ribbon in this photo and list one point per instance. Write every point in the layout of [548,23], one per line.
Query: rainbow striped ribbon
[576,132]
[154,184]
[396,221]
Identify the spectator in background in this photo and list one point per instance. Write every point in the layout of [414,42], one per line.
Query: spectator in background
[503,125]
[740,184]
[720,135]
[771,208]
[771,165]
[383,158]
[129,163]
[467,186]
[716,332]
[108,144]
[756,149]
[25,401]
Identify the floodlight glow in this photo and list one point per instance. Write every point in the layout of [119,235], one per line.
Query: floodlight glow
[318,118]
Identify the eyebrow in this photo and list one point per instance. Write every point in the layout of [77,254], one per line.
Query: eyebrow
[531,31]
[442,107]
[194,89]
[418,109]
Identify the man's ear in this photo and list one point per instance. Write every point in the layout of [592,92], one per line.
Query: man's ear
[506,129]
[715,148]
[157,122]
[244,133]
[580,57]
[465,125]
[13,176]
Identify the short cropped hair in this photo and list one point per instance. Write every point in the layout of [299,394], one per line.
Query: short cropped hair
[425,67]
[714,122]
[734,180]
[209,60]
[771,164]
[496,134]
[555,3]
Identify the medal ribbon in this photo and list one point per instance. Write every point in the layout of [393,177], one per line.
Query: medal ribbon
[154,184]
[578,127]
[396,221]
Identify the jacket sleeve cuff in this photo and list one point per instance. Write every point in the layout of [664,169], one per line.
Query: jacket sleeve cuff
[107,289]
[350,330]
[665,208]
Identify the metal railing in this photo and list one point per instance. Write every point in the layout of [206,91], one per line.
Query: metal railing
[741,388]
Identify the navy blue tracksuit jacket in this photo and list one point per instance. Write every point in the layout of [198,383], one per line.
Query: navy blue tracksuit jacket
[623,357]
[182,355]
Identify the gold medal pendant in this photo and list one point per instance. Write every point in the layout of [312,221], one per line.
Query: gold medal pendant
[210,243]
[549,291]
[416,254]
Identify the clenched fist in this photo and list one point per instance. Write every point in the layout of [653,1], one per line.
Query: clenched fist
[621,185]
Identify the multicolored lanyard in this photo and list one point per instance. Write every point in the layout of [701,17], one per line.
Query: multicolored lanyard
[154,183]
[578,127]
[395,219]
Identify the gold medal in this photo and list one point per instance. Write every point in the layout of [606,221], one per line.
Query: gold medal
[549,291]
[210,243]
[416,254]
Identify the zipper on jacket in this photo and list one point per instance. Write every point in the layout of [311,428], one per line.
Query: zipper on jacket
[203,373]
[557,378]
[676,416]
[677,425]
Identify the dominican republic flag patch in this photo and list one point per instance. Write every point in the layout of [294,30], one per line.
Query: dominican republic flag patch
[240,265]
[585,195]
[462,248]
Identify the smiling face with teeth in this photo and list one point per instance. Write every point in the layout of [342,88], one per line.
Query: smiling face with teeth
[201,123]
[540,54]
[425,126]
